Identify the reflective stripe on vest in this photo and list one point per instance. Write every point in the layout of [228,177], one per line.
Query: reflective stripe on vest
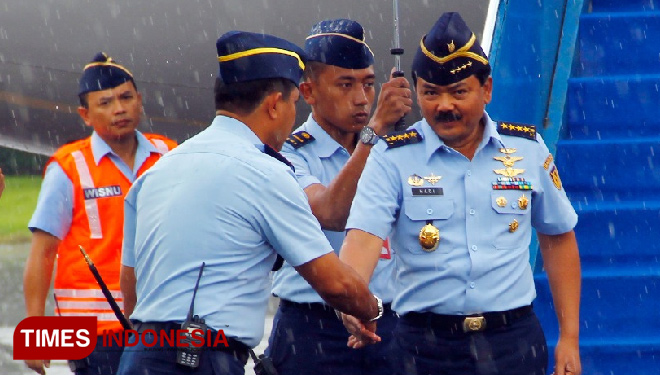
[87,305]
[161,146]
[87,302]
[105,317]
[91,207]
[86,293]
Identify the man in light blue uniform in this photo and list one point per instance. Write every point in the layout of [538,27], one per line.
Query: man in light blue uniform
[462,194]
[307,337]
[228,199]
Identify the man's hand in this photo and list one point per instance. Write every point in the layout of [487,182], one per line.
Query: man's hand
[38,365]
[567,357]
[394,102]
[362,333]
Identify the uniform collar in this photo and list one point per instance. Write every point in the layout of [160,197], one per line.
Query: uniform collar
[237,129]
[101,149]
[325,146]
[433,142]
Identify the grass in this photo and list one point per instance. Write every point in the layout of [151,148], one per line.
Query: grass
[16,206]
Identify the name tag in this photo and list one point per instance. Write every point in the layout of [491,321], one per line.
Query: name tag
[102,192]
[428,191]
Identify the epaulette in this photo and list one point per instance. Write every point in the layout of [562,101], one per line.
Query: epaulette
[299,139]
[517,130]
[402,138]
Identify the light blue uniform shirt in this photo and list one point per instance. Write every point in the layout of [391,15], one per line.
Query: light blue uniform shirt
[480,264]
[54,210]
[319,162]
[216,199]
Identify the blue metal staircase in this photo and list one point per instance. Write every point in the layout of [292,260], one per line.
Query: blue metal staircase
[609,158]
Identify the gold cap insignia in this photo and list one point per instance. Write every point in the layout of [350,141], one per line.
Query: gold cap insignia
[513,226]
[429,237]
[522,202]
[415,180]
[451,47]
[501,201]
[433,179]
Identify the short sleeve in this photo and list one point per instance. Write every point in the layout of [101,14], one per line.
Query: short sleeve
[54,211]
[287,221]
[303,173]
[378,196]
[130,223]
[552,212]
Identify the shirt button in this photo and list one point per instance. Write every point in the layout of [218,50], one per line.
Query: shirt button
[429,211]
[474,247]
[472,212]
[472,285]
[469,173]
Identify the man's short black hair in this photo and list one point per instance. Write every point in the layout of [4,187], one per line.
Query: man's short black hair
[313,69]
[243,97]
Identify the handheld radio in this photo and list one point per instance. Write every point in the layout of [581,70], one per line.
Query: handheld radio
[188,354]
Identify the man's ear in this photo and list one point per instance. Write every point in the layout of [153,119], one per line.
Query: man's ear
[307,92]
[488,90]
[271,103]
[84,115]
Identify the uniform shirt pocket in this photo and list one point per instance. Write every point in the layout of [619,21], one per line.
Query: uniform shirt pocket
[511,224]
[419,210]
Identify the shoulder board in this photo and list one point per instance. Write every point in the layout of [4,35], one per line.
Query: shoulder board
[299,139]
[517,130]
[402,138]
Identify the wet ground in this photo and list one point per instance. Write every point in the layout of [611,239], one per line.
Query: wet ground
[12,311]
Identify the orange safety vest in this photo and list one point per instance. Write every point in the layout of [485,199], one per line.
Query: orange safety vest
[97,224]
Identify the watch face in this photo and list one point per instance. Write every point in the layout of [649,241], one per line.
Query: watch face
[367,135]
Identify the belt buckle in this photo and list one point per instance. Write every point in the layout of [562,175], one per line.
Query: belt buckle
[474,324]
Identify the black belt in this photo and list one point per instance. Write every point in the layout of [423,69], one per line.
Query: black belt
[467,323]
[319,306]
[233,345]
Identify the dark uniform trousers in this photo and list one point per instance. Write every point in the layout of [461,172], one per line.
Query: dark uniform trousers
[309,339]
[430,344]
[161,360]
[102,361]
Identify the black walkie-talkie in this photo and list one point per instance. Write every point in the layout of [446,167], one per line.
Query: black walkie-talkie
[188,354]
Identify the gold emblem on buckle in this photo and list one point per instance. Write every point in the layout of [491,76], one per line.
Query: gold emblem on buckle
[474,324]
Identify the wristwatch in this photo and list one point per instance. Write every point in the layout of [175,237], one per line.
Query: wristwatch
[368,136]
[379,302]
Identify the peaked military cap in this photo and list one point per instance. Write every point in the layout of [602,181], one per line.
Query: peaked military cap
[339,42]
[245,56]
[449,53]
[103,73]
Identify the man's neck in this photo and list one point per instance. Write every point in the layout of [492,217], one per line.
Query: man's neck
[345,139]
[468,145]
[124,147]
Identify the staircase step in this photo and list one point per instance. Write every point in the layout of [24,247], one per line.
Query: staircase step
[623,5]
[613,106]
[613,306]
[614,236]
[618,43]
[609,165]
[617,357]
